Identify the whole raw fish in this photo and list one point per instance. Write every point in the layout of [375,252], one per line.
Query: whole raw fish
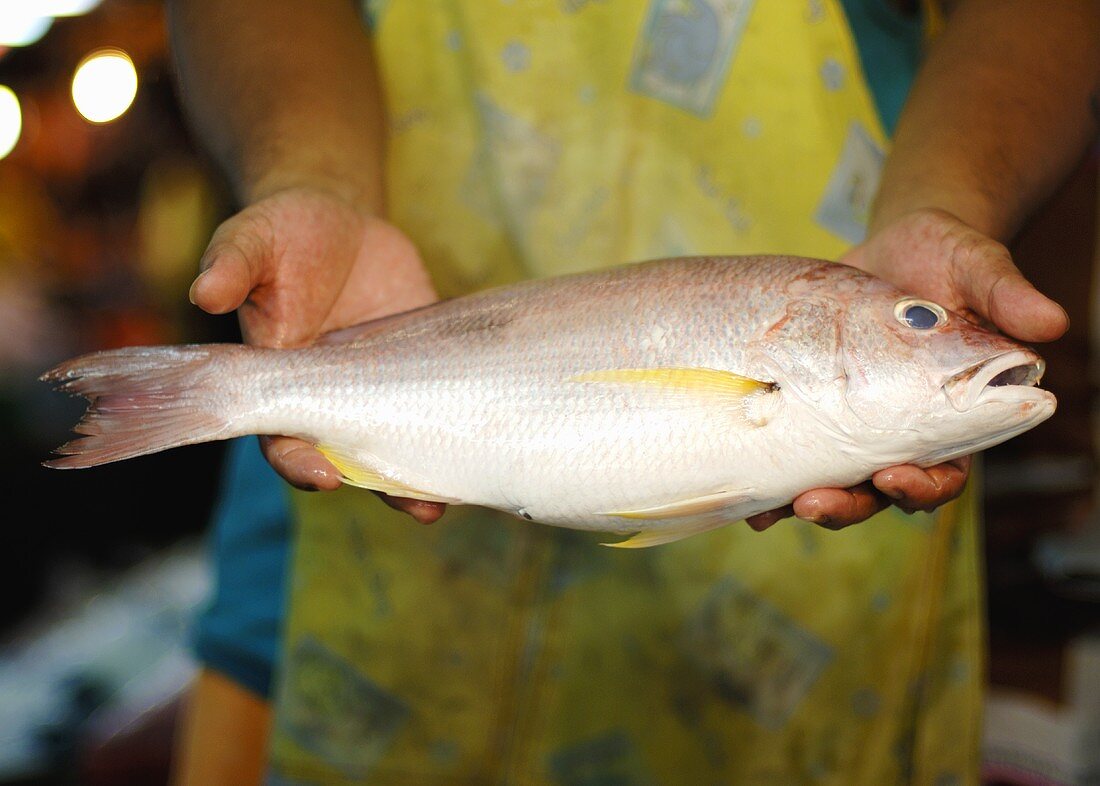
[664,398]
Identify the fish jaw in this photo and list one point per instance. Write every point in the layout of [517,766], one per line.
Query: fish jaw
[1007,377]
[994,400]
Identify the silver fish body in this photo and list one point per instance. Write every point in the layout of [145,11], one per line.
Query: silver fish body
[663,398]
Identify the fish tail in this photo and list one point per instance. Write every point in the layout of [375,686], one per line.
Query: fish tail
[142,400]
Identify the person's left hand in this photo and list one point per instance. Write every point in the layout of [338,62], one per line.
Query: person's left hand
[932,254]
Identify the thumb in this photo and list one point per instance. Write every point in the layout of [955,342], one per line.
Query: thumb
[991,285]
[231,268]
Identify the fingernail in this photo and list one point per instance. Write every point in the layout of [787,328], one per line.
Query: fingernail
[194,286]
[820,519]
[893,493]
[1065,314]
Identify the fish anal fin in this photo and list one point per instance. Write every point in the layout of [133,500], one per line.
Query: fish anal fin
[644,540]
[357,472]
[681,508]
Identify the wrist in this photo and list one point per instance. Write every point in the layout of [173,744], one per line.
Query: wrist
[964,203]
[318,177]
[346,165]
[360,197]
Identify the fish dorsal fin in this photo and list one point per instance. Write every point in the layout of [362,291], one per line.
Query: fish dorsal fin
[364,330]
[357,472]
[692,506]
[644,540]
[707,381]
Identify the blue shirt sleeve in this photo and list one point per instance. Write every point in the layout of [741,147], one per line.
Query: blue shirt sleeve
[238,633]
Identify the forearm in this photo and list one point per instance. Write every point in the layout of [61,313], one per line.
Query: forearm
[1002,109]
[284,93]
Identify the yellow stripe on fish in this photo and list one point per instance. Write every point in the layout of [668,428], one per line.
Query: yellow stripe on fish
[694,380]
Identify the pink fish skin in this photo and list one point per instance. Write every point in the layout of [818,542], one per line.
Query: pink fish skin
[664,397]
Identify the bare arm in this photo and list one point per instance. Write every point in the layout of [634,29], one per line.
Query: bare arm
[1002,109]
[283,92]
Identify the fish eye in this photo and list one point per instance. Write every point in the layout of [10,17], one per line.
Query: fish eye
[919,314]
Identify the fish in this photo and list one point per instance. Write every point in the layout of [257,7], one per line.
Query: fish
[655,400]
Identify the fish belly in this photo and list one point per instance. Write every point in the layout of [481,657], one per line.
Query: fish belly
[575,455]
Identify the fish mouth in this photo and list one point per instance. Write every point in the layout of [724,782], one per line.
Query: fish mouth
[1012,376]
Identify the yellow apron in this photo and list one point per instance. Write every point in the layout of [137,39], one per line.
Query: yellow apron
[538,137]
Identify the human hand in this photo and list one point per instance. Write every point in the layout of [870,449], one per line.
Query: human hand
[932,254]
[299,263]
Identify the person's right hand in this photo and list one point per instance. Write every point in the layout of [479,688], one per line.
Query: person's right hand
[299,263]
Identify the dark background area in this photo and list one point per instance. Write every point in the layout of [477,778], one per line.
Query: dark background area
[74,195]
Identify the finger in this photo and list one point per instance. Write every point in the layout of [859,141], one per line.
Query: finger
[233,264]
[912,488]
[838,508]
[300,464]
[305,468]
[421,510]
[225,281]
[994,287]
[761,521]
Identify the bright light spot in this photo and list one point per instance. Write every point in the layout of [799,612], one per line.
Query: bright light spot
[22,24]
[104,85]
[65,7]
[11,120]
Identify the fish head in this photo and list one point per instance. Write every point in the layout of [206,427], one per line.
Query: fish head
[930,385]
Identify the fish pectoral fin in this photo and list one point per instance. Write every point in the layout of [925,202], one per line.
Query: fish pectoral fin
[644,540]
[692,506]
[356,472]
[689,380]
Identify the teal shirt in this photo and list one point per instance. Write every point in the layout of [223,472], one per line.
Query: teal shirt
[889,45]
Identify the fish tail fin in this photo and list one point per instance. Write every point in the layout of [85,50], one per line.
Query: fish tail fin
[142,400]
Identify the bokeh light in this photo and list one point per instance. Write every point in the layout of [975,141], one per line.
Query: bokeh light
[104,85]
[65,7]
[22,23]
[11,120]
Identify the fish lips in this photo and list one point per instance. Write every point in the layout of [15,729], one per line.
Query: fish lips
[1008,378]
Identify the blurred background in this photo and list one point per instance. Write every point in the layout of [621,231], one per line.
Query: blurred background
[105,207]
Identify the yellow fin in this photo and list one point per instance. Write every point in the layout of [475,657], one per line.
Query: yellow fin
[644,540]
[694,506]
[356,473]
[695,380]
